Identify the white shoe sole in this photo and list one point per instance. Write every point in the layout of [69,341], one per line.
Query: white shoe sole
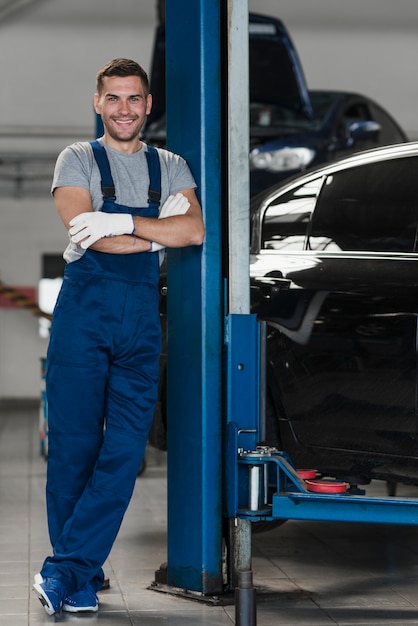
[44,599]
[72,609]
[38,578]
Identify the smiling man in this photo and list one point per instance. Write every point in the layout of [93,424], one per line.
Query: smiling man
[123,104]
[122,202]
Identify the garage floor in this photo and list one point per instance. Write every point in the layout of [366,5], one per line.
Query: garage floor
[308,573]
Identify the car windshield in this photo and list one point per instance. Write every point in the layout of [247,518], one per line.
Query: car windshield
[274,116]
[322,102]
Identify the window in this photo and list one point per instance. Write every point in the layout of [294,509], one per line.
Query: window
[287,217]
[370,208]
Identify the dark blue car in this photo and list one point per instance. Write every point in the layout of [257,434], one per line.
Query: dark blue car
[291,128]
[285,141]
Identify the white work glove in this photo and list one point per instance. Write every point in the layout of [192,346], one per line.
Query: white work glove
[174,205]
[87,228]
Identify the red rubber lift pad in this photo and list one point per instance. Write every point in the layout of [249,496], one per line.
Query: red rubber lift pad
[326,486]
[307,473]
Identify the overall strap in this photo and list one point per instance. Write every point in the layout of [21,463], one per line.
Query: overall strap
[154,171]
[108,188]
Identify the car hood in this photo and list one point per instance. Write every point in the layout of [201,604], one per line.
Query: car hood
[275,72]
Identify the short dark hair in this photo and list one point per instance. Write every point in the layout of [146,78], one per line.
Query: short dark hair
[121,67]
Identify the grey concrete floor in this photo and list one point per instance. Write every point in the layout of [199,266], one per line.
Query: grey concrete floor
[306,573]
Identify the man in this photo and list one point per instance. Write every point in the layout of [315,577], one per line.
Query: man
[121,201]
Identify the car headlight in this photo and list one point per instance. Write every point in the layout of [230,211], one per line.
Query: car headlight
[281,160]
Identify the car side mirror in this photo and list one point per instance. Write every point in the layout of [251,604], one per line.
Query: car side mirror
[360,131]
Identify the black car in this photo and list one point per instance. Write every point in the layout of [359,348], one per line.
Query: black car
[285,142]
[334,272]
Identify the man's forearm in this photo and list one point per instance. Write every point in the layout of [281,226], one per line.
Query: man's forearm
[121,244]
[173,232]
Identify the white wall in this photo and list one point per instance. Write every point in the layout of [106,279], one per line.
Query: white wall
[50,53]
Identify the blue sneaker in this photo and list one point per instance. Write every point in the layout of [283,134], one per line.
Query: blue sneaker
[51,593]
[83,600]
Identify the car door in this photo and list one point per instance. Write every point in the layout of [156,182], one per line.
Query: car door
[336,277]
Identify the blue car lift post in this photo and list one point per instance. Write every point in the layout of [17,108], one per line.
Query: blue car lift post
[195,308]
[197,321]
[196,299]
[219,478]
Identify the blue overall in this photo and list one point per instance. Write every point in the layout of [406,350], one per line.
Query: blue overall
[102,385]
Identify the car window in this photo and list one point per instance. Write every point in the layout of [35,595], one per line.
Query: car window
[287,217]
[370,208]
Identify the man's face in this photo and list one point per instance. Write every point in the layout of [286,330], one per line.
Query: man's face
[123,106]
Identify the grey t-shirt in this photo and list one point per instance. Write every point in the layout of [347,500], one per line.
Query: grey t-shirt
[77,167]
